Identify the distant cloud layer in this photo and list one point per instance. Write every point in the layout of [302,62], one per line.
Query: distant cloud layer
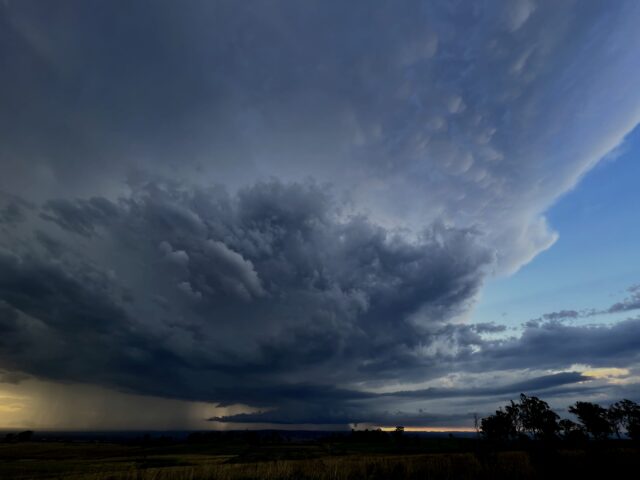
[293,204]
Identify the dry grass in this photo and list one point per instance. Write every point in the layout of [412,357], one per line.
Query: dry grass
[112,462]
[351,467]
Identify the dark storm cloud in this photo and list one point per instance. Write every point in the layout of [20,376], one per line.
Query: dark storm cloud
[449,128]
[553,343]
[340,407]
[12,209]
[60,320]
[530,385]
[11,213]
[272,297]
[80,216]
[268,287]
[337,414]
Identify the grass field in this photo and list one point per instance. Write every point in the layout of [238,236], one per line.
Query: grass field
[191,462]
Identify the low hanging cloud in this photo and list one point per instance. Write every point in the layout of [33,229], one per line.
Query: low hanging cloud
[554,343]
[343,407]
[628,304]
[265,287]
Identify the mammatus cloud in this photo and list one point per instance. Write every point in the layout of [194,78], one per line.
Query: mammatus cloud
[437,135]
[476,115]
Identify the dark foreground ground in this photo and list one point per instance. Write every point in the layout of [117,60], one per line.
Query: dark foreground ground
[338,458]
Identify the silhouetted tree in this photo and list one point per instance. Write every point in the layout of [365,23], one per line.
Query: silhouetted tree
[593,418]
[625,415]
[499,427]
[571,431]
[530,417]
[536,418]
[513,413]
[567,427]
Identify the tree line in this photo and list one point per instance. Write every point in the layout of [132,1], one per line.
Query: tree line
[531,417]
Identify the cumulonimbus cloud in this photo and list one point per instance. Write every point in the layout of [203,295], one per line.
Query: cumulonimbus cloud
[264,286]
[445,132]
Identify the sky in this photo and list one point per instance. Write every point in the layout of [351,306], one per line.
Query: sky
[219,214]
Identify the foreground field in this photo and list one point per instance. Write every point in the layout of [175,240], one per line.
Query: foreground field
[189,462]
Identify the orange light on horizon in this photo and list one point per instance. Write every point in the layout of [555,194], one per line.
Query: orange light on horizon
[431,429]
